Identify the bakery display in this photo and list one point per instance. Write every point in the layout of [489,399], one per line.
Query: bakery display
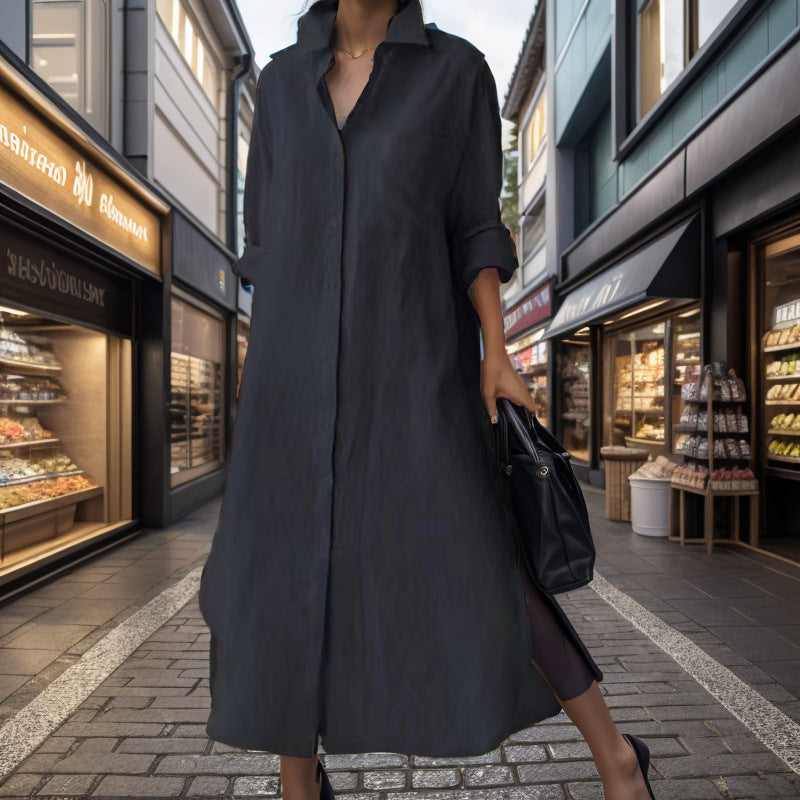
[35,469]
[714,429]
[195,423]
[782,393]
[639,384]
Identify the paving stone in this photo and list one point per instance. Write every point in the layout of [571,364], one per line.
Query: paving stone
[342,781]
[208,786]
[492,757]
[384,779]
[19,785]
[490,775]
[255,787]
[126,786]
[362,760]
[161,744]
[232,764]
[67,784]
[515,753]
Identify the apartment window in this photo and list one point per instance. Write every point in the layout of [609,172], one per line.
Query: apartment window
[191,44]
[69,49]
[670,32]
[533,135]
[532,225]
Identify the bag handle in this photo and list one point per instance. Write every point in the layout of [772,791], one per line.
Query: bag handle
[520,429]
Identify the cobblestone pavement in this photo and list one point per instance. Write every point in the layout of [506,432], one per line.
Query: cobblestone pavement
[139,732]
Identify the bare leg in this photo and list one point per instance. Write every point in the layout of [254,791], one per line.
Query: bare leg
[298,778]
[555,655]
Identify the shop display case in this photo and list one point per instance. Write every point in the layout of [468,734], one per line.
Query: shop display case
[639,385]
[196,393]
[714,439]
[574,368]
[651,363]
[55,429]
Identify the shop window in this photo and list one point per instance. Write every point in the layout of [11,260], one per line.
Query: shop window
[533,232]
[196,431]
[638,389]
[242,150]
[69,49]
[670,32]
[529,356]
[574,372]
[191,44]
[65,436]
[534,132]
[779,356]
[650,365]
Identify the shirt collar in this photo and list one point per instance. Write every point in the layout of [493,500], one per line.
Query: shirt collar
[315,27]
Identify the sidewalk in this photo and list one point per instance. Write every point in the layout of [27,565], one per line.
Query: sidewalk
[121,645]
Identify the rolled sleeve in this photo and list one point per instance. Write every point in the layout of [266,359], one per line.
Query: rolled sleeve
[257,180]
[478,237]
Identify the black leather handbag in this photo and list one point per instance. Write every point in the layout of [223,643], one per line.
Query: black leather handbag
[553,536]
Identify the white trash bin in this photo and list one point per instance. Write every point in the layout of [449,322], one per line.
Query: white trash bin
[649,505]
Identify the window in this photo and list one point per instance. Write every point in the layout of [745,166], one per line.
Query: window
[532,225]
[191,44]
[69,49]
[533,135]
[670,32]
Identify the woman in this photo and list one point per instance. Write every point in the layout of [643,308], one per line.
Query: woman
[362,591]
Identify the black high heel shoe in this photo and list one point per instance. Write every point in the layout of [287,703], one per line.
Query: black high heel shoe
[642,756]
[325,788]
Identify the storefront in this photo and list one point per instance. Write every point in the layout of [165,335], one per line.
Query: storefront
[204,354]
[524,325]
[624,341]
[81,238]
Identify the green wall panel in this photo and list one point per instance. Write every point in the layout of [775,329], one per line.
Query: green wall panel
[774,23]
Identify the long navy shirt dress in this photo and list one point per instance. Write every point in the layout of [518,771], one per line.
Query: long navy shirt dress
[362,591]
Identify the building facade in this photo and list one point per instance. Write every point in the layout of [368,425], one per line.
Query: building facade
[672,228]
[120,215]
[528,298]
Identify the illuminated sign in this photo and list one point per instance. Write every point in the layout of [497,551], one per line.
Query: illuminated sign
[74,181]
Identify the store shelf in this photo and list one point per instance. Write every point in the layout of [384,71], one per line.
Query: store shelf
[794,377]
[25,510]
[42,477]
[18,402]
[45,368]
[785,459]
[28,443]
[777,348]
[697,402]
[783,432]
[782,402]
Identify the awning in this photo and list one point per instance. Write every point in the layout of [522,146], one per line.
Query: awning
[667,267]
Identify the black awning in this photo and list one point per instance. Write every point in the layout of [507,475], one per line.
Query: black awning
[667,267]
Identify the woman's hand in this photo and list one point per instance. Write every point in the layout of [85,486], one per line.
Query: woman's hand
[499,378]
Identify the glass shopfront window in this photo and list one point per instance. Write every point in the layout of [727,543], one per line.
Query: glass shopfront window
[69,49]
[196,430]
[650,365]
[574,373]
[529,356]
[65,435]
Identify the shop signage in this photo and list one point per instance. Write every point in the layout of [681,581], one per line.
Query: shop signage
[788,312]
[536,307]
[39,276]
[73,181]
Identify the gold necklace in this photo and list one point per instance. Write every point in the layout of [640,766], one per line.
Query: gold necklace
[345,50]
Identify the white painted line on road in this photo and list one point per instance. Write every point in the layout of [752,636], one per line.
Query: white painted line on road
[33,723]
[778,732]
